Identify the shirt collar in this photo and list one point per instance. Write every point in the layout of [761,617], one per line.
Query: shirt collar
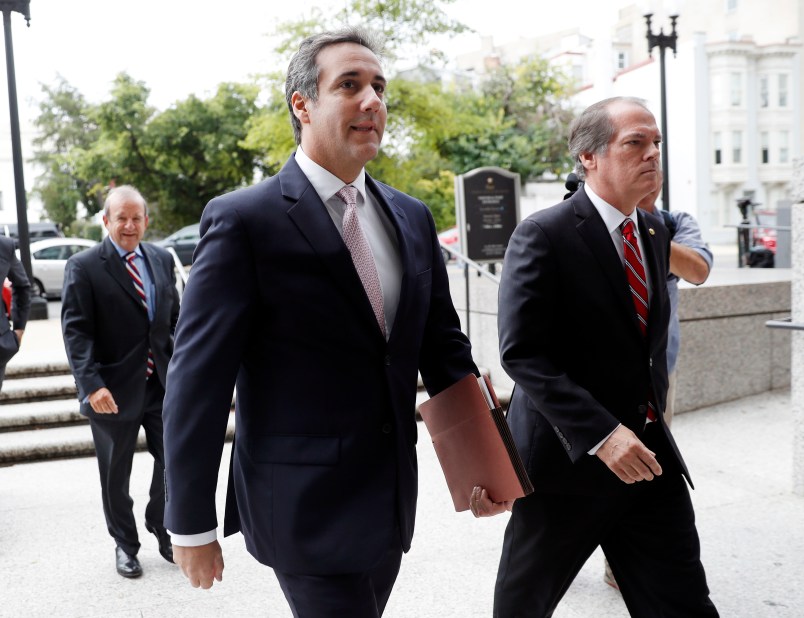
[325,183]
[612,217]
[122,252]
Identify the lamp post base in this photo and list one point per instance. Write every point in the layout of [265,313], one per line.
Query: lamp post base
[38,309]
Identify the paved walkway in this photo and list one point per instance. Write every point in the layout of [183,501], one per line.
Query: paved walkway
[57,560]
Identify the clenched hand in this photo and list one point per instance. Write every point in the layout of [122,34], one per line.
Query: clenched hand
[628,457]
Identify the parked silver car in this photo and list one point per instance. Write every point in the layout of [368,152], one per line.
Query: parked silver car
[48,258]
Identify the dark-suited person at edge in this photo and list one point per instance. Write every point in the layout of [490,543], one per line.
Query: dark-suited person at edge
[320,293]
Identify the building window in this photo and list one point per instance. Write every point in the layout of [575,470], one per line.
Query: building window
[622,60]
[736,89]
[784,152]
[765,150]
[731,5]
[783,90]
[718,149]
[763,91]
[736,146]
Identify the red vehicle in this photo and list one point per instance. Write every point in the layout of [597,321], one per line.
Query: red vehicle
[764,237]
[7,297]
[450,238]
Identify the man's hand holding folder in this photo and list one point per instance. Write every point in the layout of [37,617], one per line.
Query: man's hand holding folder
[474,446]
[482,506]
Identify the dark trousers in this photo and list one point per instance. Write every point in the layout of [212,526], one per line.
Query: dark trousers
[115,443]
[357,595]
[648,536]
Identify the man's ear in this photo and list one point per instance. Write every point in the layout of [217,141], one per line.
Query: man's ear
[299,105]
[588,160]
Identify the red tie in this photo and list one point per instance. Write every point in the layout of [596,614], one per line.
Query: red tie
[635,274]
[134,273]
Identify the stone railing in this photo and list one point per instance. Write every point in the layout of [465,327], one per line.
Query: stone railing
[727,352]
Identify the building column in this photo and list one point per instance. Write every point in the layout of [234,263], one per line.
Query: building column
[797,344]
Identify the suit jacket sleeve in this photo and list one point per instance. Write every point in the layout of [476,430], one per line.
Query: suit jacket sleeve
[78,328]
[445,354]
[210,340]
[531,347]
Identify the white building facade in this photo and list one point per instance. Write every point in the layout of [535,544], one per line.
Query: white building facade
[734,96]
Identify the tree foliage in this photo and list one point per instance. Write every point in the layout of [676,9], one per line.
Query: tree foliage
[179,158]
[182,157]
[406,25]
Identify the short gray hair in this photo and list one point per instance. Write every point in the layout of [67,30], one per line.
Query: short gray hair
[122,194]
[303,70]
[593,129]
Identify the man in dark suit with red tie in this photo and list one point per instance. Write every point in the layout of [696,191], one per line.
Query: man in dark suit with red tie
[119,311]
[583,321]
[320,293]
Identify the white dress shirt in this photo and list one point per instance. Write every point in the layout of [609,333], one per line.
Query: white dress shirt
[613,219]
[376,226]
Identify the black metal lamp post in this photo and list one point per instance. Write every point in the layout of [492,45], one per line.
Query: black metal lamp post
[38,305]
[663,41]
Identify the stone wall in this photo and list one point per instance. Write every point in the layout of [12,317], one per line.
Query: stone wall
[727,351]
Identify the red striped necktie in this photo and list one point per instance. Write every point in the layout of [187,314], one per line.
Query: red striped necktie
[635,274]
[139,288]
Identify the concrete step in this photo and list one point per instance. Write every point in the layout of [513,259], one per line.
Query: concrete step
[39,414]
[59,442]
[20,390]
[39,369]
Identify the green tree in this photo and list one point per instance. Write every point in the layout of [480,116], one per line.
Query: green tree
[526,118]
[67,130]
[407,25]
[179,159]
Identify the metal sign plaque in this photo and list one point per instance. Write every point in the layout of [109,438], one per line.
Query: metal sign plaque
[487,205]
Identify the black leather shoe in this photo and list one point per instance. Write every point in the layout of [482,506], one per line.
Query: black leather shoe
[163,538]
[127,566]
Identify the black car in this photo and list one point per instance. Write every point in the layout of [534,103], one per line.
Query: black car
[36,231]
[183,242]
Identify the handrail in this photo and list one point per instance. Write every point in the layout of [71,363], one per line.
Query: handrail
[785,324]
[178,265]
[480,268]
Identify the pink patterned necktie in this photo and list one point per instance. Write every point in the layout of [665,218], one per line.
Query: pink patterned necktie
[362,257]
[635,273]
[136,279]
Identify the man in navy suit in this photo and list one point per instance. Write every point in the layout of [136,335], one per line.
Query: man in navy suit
[119,337]
[13,317]
[590,368]
[323,478]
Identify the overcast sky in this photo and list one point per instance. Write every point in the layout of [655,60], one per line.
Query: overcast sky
[178,47]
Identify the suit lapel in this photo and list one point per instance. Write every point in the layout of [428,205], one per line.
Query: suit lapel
[594,233]
[658,279]
[310,216]
[117,270]
[396,215]
[154,270]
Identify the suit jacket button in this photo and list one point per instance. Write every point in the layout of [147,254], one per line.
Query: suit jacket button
[387,360]
[386,428]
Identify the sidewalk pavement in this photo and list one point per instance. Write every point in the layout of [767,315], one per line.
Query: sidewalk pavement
[57,560]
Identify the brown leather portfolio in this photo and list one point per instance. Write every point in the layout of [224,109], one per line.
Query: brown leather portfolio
[473,442]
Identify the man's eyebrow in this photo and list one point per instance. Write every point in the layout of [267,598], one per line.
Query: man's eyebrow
[379,77]
[641,135]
